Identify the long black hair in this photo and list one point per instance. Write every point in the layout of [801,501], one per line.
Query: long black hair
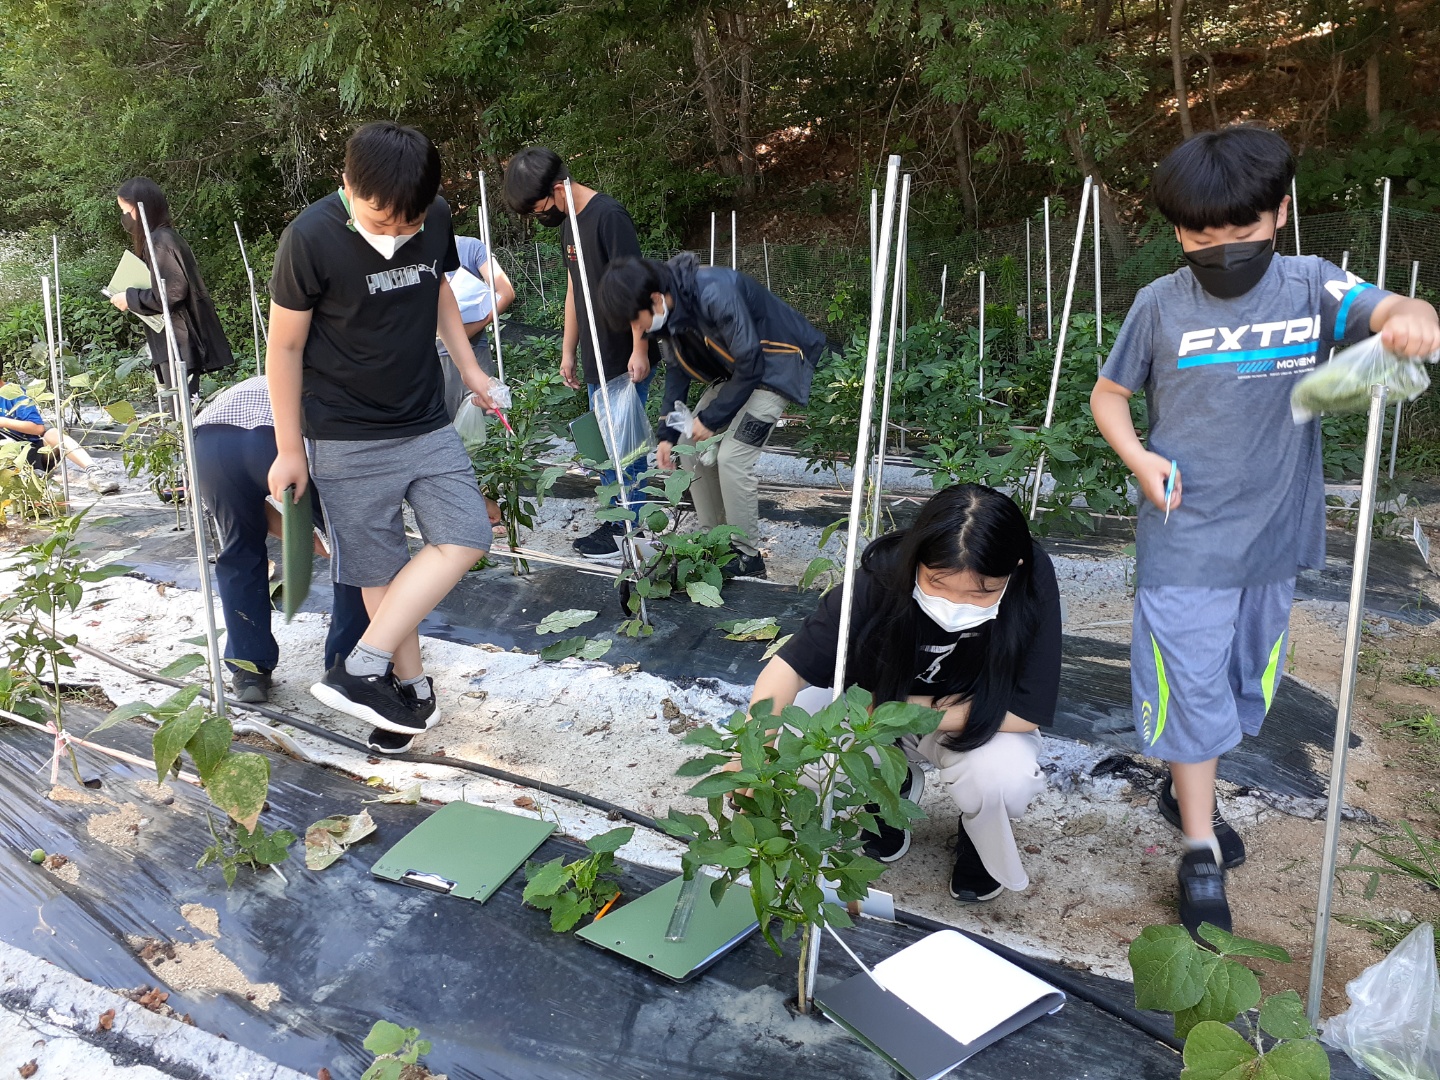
[965,527]
[141,189]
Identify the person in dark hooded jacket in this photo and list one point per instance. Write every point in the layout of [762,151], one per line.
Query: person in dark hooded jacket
[755,354]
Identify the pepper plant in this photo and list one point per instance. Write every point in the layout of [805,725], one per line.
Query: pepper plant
[1208,990]
[806,787]
[570,891]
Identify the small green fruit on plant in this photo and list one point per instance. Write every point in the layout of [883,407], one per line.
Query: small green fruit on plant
[570,891]
[1208,990]
[394,1048]
[37,856]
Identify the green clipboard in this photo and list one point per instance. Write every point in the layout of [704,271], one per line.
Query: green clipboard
[637,930]
[131,273]
[297,531]
[463,850]
[585,433]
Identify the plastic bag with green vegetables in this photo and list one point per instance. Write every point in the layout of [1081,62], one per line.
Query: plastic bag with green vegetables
[1343,385]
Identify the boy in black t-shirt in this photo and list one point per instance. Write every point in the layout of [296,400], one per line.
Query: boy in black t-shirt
[535,186]
[359,295]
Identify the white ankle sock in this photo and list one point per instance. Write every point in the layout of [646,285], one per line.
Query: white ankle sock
[1204,843]
[420,684]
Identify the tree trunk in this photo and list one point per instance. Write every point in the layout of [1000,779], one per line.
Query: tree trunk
[744,139]
[1115,235]
[1177,64]
[961,139]
[1372,91]
[1100,28]
[710,87]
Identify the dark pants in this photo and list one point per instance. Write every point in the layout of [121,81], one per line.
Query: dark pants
[232,465]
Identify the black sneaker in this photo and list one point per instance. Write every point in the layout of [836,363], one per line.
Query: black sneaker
[1232,847]
[751,566]
[251,687]
[1202,893]
[389,742]
[425,709]
[376,699]
[891,844]
[602,545]
[970,882]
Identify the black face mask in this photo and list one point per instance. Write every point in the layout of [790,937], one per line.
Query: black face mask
[128,220]
[1231,270]
[551,218]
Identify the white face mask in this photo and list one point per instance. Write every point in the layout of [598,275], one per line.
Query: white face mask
[387,246]
[658,321]
[952,617]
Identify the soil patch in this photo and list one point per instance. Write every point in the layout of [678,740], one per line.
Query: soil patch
[63,868]
[200,966]
[205,919]
[120,828]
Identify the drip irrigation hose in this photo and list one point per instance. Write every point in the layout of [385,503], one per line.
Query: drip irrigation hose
[1151,1024]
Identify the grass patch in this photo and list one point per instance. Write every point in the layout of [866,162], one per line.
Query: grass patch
[1408,855]
[1423,725]
[1385,934]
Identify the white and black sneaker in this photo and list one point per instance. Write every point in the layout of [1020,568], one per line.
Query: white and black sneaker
[970,882]
[425,708]
[376,699]
[1202,893]
[602,545]
[389,742]
[1232,846]
[890,844]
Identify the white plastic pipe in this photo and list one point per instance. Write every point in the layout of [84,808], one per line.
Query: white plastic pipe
[895,304]
[981,412]
[734,243]
[180,382]
[1399,405]
[874,234]
[1345,260]
[59,333]
[765,247]
[494,267]
[1049,294]
[1384,235]
[944,273]
[539,272]
[1350,662]
[56,388]
[1295,214]
[1029,289]
[257,319]
[712,237]
[1095,206]
[1060,343]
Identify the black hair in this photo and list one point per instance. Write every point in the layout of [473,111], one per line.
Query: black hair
[625,289]
[1225,177]
[141,189]
[395,166]
[964,527]
[530,176]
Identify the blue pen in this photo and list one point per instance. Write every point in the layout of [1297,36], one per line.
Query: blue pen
[1170,487]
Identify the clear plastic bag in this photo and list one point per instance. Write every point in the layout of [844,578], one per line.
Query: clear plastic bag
[1392,1026]
[626,425]
[1343,385]
[470,423]
[683,420]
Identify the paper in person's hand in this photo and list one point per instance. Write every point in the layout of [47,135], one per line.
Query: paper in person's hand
[131,273]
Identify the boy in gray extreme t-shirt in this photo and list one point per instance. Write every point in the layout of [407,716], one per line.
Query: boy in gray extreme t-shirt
[1217,347]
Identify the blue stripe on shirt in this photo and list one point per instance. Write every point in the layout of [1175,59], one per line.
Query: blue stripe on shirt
[1343,315]
[1278,353]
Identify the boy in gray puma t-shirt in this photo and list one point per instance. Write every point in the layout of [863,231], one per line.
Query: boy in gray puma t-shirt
[1217,347]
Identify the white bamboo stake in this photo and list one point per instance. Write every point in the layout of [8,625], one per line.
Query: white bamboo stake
[1399,405]
[1049,295]
[1384,235]
[712,237]
[734,243]
[56,386]
[944,275]
[631,553]
[59,333]
[1060,343]
[857,490]
[539,272]
[1350,658]
[1295,214]
[180,381]
[1095,206]
[257,320]
[981,412]
[874,225]
[1345,260]
[890,358]
[765,247]
[494,277]
[1029,306]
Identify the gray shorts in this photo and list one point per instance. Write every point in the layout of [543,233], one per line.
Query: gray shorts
[1204,665]
[362,484]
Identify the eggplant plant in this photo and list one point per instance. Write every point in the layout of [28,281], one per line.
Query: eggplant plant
[790,818]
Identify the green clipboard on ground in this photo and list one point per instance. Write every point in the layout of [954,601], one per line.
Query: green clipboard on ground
[297,532]
[585,433]
[463,850]
[131,273]
[637,930]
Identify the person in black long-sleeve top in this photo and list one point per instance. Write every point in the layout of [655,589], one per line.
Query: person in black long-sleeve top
[198,335]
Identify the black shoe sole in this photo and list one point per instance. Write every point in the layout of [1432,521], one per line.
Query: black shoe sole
[1171,812]
[331,696]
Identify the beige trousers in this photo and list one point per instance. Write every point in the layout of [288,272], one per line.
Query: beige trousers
[728,492]
[990,786]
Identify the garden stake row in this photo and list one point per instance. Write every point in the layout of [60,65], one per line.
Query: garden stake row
[895,295]
[257,320]
[180,382]
[51,333]
[1349,669]
[490,262]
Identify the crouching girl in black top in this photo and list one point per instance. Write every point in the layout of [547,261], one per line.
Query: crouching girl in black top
[960,612]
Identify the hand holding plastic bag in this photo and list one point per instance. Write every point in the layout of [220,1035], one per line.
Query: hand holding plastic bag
[683,420]
[1392,1026]
[1343,385]
[470,423]
[626,426]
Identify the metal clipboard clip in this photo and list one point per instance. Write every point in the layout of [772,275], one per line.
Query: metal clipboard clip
[422,880]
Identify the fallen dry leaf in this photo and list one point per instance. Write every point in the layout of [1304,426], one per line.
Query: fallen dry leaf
[323,1074]
[327,839]
[107,1019]
[29,1069]
[525,802]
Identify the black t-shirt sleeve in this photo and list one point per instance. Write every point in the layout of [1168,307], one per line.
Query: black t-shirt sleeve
[452,250]
[811,652]
[295,281]
[1038,685]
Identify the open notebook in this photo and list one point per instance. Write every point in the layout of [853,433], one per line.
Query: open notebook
[940,1001]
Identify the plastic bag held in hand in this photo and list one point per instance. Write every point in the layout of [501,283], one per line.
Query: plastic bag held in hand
[1343,385]
[1392,1026]
[470,423]
[683,420]
[627,425]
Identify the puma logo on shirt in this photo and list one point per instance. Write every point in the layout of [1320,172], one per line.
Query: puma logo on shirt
[400,277]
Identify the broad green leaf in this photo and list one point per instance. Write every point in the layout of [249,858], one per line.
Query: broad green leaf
[409,795]
[595,648]
[704,735]
[742,831]
[1230,990]
[182,666]
[239,786]
[569,619]
[775,646]
[718,784]
[733,858]
[705,594]
[209,745]
[1283,1016]
[1301,1059]
[1227,944]
[1216,1052]
[612,840]
[170,739]
[122,713]
[564,649]
[122,412]
[702,765]
[545,880]
[750,629]
[1169,968]
[387,1038]
[567,911]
